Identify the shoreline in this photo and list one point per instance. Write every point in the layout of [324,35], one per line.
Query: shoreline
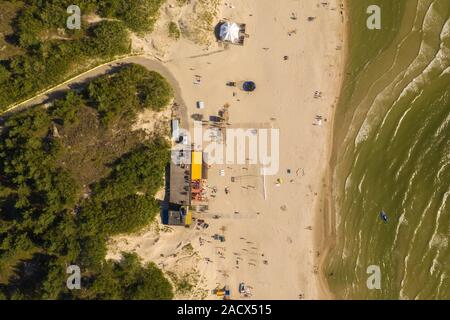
[326,214]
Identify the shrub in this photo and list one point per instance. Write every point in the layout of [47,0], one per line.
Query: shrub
[41,208]
[174,31]
[107,39]
[138,15]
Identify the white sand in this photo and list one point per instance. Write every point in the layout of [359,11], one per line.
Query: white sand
[284,100]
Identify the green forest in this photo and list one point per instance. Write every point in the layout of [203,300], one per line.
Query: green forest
[71,176]
[51,52]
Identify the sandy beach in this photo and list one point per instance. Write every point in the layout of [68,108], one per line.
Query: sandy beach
[273,226]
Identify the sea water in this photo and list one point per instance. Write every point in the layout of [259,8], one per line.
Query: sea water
[393,132]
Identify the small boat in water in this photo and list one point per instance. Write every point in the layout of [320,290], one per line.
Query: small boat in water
[384,216]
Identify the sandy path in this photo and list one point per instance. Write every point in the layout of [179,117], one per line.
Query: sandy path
[271,244]
[147,61]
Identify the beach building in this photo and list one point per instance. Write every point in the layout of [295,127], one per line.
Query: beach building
[179,177]
[181,217]
[187,181]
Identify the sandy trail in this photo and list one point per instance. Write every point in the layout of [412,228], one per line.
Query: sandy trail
[271,243]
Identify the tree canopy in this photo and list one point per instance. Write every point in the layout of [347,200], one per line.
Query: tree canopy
[138,15]
[49,220]
[54,53]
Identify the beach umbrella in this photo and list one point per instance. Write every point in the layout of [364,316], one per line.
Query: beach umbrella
[249,86]
[229,31]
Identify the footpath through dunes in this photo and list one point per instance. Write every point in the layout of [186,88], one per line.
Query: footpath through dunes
[394,155]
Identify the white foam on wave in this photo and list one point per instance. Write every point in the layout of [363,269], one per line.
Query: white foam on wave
[442,127]
[348,182]
[439,241]
[344,255]
[397,55]
[383,95]
[435,264]
[410,247]
[400,122]
[401,221]
[410,184]
[441,281]
[426,54]
[428,21]
[445,33]
[440,61]
[444,165]
[361,182]
[422,5]
[417,169]
[427,58]
[359,252]
[436,239]
[410,150]
[446,71]
[364,131]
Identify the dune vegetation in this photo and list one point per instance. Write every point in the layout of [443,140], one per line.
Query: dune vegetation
[71,176]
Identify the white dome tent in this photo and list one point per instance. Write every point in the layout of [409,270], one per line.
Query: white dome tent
[229,32]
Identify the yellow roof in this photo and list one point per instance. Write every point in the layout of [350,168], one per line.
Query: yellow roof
[188,219]
[196,165]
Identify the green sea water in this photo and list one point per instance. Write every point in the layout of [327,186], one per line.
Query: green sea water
[392,153]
